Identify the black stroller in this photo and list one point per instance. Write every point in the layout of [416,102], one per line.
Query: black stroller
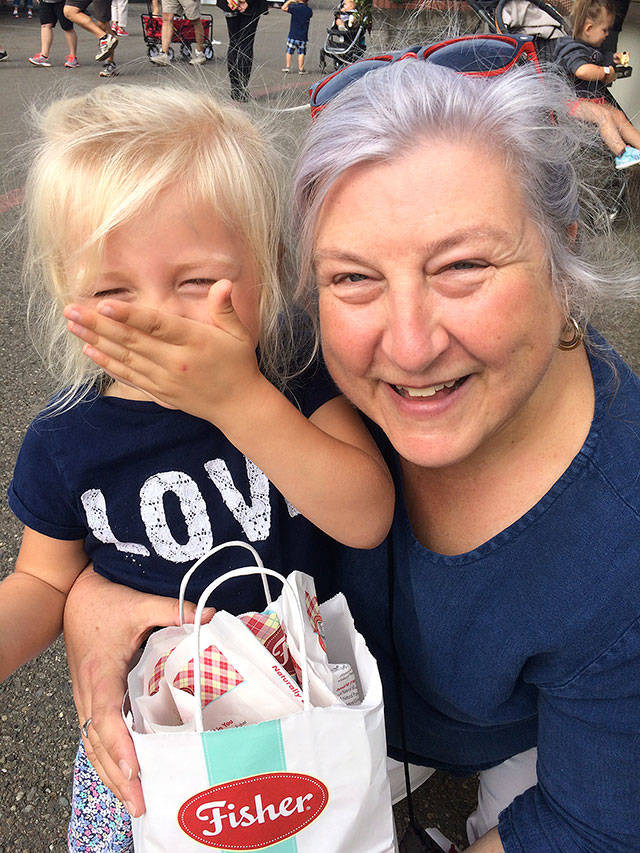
[543,23]
[342,46]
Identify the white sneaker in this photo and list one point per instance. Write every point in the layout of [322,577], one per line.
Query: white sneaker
[161,59]
[106,46]
[197,57]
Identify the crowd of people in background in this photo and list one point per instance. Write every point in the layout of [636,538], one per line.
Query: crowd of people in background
[108,22]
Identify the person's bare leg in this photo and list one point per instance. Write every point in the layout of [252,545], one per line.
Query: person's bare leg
[198,30]
[72,41]
[301,62]
[608,120]
[77,16]
[167,31]
[46,38]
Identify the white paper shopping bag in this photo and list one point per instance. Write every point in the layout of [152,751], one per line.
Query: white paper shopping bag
[310,782]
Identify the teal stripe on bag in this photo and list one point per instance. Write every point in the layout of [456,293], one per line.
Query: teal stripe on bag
[246,751]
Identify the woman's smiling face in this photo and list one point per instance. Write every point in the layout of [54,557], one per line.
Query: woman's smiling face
[437,313]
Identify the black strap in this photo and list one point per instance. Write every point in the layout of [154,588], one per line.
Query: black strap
[415,838]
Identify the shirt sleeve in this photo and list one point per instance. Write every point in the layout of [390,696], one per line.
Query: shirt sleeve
[588,787]
[38,494]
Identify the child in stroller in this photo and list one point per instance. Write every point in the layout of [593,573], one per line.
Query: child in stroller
[591,72]
[345,39]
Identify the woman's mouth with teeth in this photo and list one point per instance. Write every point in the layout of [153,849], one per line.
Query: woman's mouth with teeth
[429,390]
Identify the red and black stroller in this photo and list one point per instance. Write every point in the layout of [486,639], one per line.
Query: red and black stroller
[183,35]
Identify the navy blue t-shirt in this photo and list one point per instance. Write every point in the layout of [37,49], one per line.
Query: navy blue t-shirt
[151,489]
[570,54]
[531,639]
[300,17]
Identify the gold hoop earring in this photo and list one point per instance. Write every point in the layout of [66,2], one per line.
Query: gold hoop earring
[575,339]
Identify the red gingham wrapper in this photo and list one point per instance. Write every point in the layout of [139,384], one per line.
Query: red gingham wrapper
[267,628]
[218,676]
[313,612]
[158,674]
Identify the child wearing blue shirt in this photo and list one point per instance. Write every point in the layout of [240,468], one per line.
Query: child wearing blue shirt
[110,475]
[298,32]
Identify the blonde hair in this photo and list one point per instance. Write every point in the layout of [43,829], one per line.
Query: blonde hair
[588,10]
[105,156]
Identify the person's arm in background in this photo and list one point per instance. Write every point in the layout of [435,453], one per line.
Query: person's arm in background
[598,73]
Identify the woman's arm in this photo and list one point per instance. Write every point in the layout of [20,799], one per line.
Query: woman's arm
[327,466]
[32,597]
[489,843]
[104,626]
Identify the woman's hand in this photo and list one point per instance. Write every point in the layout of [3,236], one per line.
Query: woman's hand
[210,371]
[105,624]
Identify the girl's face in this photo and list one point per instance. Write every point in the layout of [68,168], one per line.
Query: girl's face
[595,32]
[168,258]
[437,312]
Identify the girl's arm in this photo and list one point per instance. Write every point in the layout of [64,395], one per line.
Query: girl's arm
[589,71]
[32,597]
[327,466]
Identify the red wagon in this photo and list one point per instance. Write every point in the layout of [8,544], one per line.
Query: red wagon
[183,35]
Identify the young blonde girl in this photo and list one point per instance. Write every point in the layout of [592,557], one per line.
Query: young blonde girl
[165,198]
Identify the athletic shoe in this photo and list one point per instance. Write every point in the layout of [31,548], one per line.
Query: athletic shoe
[107,45]
[120,31]
[286,70]
[71,62]
[40,59]
[161,58]
[3,55]
[302,71]
[629,157]
[109,70]
[197,57]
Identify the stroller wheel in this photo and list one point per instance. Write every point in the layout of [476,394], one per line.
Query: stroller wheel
[153,50]
[208,51]
[171,53]
[322,65]
[185,51]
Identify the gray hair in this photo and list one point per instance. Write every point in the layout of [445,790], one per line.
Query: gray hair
[388,112]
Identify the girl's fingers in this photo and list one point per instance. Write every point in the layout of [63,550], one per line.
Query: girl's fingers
[123,322]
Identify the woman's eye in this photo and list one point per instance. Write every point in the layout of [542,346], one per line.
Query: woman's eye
[464,265]
[352,277]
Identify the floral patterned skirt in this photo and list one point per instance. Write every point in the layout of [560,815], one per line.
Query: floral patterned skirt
[99,821]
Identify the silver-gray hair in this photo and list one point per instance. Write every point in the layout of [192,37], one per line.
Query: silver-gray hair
[520,115]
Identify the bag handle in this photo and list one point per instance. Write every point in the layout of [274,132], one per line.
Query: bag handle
[287,589]
[234,543]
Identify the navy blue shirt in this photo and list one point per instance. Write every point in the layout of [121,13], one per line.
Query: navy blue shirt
[533,638]
[570,54]
[300,17]
[150,490]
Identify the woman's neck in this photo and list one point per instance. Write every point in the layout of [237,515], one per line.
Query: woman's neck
[455,509]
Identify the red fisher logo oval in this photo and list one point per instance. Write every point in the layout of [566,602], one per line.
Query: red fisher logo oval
[255,812]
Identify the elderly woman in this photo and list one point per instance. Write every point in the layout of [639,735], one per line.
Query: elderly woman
[454,316]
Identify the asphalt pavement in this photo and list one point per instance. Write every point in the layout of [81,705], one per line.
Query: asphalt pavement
[38,724]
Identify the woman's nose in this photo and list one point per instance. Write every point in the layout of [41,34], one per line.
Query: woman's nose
[415,333]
